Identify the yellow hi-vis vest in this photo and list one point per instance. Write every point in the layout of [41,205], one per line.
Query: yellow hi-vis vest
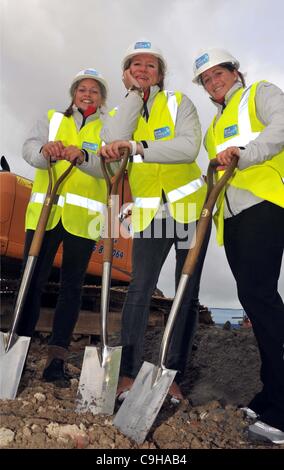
[237,126]
[182,183]
[81,199]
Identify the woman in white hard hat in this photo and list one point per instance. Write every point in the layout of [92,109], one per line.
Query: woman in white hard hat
[73,135]
[250,219]
[162,131]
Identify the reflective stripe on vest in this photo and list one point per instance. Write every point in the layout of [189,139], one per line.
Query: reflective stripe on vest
[148,181]
[72,199]
[172,104]
[40,197]
[147,202]
[244,126]
[54,125]
[185,190]
[263,180]
[85,202]
[172,196]
[173,109]
[137,159]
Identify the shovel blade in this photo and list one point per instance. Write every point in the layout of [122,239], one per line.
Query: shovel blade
[11,365]
[143,402]
[98,380]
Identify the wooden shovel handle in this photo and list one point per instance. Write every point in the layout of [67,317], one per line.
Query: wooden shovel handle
[46,208]
[113,180]
[213,192]
[112,210]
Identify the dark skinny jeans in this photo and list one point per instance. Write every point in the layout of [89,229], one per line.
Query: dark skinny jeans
[76,254]
[254,242]
[148,256]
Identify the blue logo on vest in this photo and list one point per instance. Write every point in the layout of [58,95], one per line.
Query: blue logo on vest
[162,132]
[90,146]
[203,59]
[230,131]
[142,45]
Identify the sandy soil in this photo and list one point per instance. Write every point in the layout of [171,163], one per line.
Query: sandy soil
[222,374]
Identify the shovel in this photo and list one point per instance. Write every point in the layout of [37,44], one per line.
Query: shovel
[14,348]
[100,369]
[146,396]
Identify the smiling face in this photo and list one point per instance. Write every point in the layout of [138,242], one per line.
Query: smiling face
[88,93]
[145,69]
[217,81]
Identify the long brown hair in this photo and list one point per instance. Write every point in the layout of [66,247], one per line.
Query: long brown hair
[231,68]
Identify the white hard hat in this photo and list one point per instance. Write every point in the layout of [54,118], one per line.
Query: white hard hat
[143,47]
[88,73]
[209,58]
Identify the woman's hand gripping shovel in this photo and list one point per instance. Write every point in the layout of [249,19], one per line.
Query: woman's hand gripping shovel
[100,369]
[145,398]
[14,348]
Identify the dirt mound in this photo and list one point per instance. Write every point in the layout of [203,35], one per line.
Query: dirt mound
[223,373]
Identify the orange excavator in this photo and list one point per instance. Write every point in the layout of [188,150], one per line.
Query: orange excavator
[15,195]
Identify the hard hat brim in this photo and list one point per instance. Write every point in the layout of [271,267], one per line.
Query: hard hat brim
[197,78]
[212,57]
[83,77]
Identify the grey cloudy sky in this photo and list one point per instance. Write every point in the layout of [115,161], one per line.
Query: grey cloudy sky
[44,43]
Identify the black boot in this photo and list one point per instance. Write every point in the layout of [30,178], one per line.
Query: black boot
[258,405]
[54,369]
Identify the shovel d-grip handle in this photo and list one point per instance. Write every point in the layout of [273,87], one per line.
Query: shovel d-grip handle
[213,191]
[35,249]
[112,181]
[46,208]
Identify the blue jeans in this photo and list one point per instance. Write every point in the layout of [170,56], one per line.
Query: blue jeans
[148,256]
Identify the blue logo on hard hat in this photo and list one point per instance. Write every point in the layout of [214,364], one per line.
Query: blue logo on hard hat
[162,132]
[90,146]
[203,59]
[230,131]
[142,45]
[91,72]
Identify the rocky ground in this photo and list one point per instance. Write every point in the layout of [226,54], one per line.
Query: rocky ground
[222,374]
